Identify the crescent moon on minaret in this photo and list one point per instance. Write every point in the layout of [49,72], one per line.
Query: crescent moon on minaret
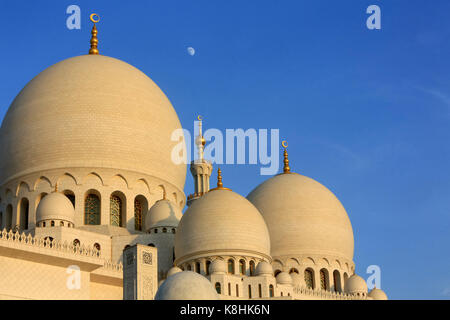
[284,144]
[94,18]
[199,118]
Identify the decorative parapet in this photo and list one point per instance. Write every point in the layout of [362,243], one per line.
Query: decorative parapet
[57,245]
[324,295]
[109,265]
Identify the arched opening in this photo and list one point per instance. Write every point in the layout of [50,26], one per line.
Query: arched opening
[293,270]
[117,209]
[271,291]
[229,289]
[97,246]
[8,217]
[188,267]
[337,281]
[52,223]
[48,241]
[345,280]
[71,196]
[237,290]
[218,287]
[309,278]
[324,281]
[76,243]
[1,220]
[197,267]
[24,209]
[92,209]
[140,207]
[151,245]
[208,263]
[249,291]
[242,267]
[252,268]
[173,230]
[231,266]
[277,272]
[260,290]
[164,230]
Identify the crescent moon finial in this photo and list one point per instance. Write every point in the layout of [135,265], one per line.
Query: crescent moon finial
[284,144]
[199,118]
[95,18]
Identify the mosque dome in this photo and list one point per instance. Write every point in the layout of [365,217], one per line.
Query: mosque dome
[264,268]
[163,213]
[355,284]
[284,278]
[303,217]
[173,271]
[90,111]
[218,266]
[378,294]
[296,278]
[55,206]
[186,285]
[222,222]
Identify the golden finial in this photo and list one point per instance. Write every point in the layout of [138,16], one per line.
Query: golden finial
[56,187]
[219,181]
[286,168]
[94,41]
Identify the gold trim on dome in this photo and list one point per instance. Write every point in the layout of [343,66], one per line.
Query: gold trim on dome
[94,40]
[219,182]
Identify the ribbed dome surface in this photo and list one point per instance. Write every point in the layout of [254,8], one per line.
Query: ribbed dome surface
[90,111]
[221,221]
[163,213]
[303,217]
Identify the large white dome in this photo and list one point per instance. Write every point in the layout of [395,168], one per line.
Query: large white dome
[221,222]
[90,111]
[303,217]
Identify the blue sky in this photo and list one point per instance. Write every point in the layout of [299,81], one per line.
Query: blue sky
[366,112]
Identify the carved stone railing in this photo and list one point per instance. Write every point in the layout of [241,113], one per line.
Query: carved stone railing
[323,294]
[57,245]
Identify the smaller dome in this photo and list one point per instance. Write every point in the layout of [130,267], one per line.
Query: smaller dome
[186,285]
[284,278]
[264,268]
[355,284]
[296,279]
[218,266]
[160,282]
[163,213]
[173,270]
[55,206]
[378,294]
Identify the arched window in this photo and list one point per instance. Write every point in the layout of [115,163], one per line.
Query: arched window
[52,223]
[324,279]
[76,243]
[271,292]
[337,281]
[197,267]
[151,245]
[43,224]
[218,288]
[237,290]
[61,223]
[188,267]
[164,230]
[48,240]
[231,266]
[156,230]
[229,289]
[345,279]
[252,268]
[277,272]
[249,291]
[293,270]
[24,208]
[92,210]
[242,267]
[137,215]
[173,230]
[309,278]
[97,246]
[8,217]
[208,263]
[260,290]
[116,211]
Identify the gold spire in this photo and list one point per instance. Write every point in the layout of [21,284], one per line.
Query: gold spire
[56,187]
[94,41]
[286,168]
[219,182]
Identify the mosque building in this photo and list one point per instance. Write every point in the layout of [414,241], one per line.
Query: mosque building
[91,204]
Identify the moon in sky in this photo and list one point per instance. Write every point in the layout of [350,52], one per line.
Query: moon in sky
[191,51]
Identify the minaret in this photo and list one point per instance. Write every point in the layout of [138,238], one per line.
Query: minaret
[201,169]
